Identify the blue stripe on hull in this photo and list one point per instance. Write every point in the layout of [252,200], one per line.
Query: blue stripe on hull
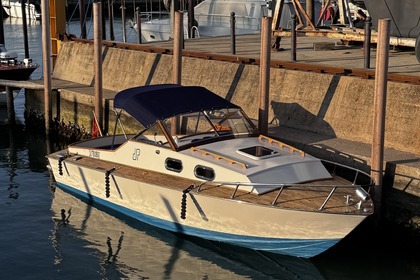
[304,248]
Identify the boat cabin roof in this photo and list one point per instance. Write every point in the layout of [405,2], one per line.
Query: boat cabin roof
[148,104]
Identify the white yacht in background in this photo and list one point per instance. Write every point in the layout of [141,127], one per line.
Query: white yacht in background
[212,18]
[14,9]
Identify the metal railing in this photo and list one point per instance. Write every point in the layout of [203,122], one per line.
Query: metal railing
[361,182]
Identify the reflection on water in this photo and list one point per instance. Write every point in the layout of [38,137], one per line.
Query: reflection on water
[138,251]
[82,242]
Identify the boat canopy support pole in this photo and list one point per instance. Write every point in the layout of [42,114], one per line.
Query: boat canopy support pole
[118,121]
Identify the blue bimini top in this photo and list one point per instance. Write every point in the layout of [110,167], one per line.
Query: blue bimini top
[148,104]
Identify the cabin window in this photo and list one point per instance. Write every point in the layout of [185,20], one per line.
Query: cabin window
[173,164]
[204,172]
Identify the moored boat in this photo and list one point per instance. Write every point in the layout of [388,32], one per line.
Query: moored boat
[14,9]
[213,18]
[404,18]
[200,167]
[13,69]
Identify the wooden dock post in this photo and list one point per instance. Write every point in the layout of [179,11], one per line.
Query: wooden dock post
[264,74]
[10,106]
[46,62]
[177,52]
[97,28]
[82,19]
[177,60]
[379,107]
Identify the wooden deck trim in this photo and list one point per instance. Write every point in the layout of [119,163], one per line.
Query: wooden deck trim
[281,144]
[217,156]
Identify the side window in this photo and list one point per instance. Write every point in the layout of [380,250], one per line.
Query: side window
[204,172]
[173,164]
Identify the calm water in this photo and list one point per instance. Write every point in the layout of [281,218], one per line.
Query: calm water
[49,234]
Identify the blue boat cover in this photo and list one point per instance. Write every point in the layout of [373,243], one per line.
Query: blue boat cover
[148,104]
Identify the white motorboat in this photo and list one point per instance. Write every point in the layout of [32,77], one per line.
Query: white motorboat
[140,251]
[212,18]
[200,167]
[14,9]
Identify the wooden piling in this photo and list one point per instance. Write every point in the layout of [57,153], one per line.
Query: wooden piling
[97,26]
[264,74]
[82,19]
[46,62]
[10,106]
[178,42]
[379,108]
[25,28]
[177,59]
[123,20]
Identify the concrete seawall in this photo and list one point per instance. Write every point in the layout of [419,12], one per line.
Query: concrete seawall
[329,105]
[319,113]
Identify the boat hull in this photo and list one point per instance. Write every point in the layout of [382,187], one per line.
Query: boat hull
[16,72]
[14,9]
[404,15]
[282,231]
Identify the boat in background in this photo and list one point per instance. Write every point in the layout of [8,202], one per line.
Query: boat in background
[404,16]
[14,9]
[200,167]
[212,18]
[13,69]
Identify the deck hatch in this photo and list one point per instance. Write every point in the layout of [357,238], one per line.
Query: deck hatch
[257,152]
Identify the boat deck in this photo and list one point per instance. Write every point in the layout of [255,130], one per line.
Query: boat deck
[308,197]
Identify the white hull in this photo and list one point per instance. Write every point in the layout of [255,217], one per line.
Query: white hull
[278,231]
[144,252]
[14,10]
[213,19]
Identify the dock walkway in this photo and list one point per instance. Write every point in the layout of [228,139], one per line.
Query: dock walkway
[310,50]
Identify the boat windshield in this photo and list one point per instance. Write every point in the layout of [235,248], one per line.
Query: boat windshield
[204,125]
[193,129]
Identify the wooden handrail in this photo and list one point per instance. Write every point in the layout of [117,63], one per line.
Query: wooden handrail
[281,144]
[216,156]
